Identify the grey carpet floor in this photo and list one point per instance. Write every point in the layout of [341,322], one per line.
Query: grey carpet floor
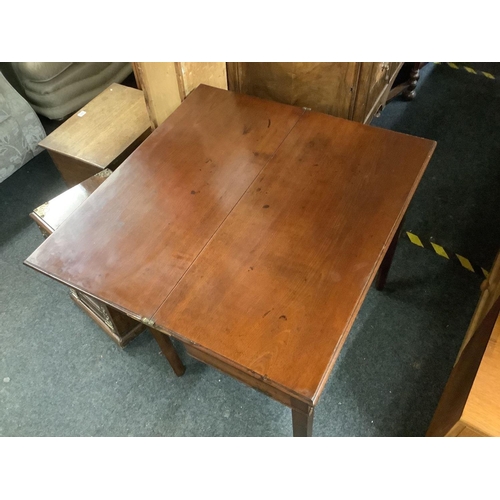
[60,375]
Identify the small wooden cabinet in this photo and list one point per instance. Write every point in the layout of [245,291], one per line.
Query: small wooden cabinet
[352,90]
[101,135]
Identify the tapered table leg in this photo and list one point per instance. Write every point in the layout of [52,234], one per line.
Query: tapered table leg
[168,349]
[302,423]
[387,260]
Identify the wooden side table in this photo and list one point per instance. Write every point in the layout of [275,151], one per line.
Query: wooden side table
[101,135]
[49,217]
[248,230]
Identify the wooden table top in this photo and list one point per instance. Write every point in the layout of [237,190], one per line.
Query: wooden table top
[248,228]
[54,212]
[104,128]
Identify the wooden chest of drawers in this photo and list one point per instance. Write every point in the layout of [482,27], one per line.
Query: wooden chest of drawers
[352,90]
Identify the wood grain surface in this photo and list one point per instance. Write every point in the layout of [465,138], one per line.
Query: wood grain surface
[482,410]
[103,129]
[167,84]
[450,411]
[250,230]
[276,290]
[53,213]
[328,87]
[133,239]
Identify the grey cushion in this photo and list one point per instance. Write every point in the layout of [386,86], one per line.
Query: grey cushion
[20,130]
[41,71]
[72,86]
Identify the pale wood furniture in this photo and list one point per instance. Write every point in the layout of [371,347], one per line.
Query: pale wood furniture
[248,230]
[470,403]
[490,291]
[167,84]
[101,135]
[353,90]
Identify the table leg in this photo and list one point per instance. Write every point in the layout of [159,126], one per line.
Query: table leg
[387,260]
[302,422]
[168,349]
[410,92]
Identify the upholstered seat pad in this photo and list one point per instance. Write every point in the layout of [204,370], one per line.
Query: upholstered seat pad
[72,85]
[41,71]
[20,130]
[75,73]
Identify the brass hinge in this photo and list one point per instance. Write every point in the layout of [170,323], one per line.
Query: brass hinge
[148,321]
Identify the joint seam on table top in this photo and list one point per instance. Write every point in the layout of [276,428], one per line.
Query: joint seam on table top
[227,215]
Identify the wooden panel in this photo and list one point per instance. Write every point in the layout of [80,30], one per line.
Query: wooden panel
[454,398]
[470,432]
[379,81]
[73,170]
[490,292]
[53,213]
[208,73]
[226,368]
[373,88]
[108,125]
[147,223]
[120,339]
[326,87]
[455,430]
[158,81]
[394,68]
[482,410]
[277,288]
[380,92]
[167,84]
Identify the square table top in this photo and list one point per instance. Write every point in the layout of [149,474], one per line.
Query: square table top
[247,228]
[104,128]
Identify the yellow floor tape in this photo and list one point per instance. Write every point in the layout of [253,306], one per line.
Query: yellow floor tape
[447,254]
[469,70]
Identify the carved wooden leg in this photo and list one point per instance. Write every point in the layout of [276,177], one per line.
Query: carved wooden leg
[169,351]
[409,93]
[302,422]
[387,260]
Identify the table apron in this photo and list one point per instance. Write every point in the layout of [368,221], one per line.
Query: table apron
[247,379]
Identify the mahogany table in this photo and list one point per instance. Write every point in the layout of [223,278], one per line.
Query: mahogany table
[248,230]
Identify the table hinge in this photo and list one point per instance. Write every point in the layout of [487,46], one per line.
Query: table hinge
[148,321]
